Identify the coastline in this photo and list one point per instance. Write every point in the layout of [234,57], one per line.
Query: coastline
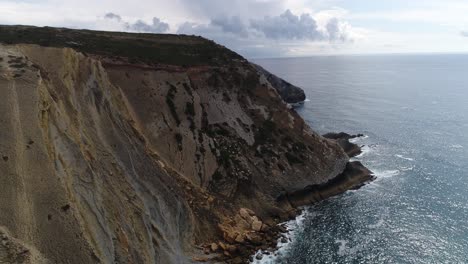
[355,176]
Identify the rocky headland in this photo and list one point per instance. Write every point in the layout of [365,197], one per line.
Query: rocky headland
[291,94]
[143,148]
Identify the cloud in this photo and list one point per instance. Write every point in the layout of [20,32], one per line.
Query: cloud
[157,26]
[238,24]
[288,26]
[113,16]
[231,25]
[336,31]
[464,33]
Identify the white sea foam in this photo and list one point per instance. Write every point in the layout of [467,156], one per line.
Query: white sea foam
[456,146]
[403,157]
[358,139]
[386,173]
[365,150]
[293,228]
[307,100]
[342,248]
[403,168]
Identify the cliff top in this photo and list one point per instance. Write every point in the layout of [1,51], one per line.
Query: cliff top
[181,50]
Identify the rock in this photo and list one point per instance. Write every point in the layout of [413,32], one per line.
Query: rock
[240,238]
[354,176]
[222,245]
[243,224]
[244,213]
[257,225]
[282,229]
[254,238]
[351,149]
[231,248]
[237,260]
[214,247]
[147,109]
[200,259]
[251,213]
[230,236]
[290,93]
[259,256]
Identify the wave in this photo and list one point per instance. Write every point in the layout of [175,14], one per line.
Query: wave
[386,173]
[365,150]
[403,157]
[292,228]
[403,168]
[357,139]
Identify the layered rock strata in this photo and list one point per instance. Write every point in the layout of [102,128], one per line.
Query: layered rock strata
[115,152]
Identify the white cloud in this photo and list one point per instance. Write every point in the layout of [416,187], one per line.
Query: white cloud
[261,27]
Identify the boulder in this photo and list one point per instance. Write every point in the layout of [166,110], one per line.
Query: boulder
[240,238]
[244,213]
[222,245]
[257,225]
[214,247]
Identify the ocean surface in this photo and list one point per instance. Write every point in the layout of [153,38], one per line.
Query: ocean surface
[413,110]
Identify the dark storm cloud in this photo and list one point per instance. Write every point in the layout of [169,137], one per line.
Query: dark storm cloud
[288,26]
[113,16]
[157,26]
[252,36]
[231,25]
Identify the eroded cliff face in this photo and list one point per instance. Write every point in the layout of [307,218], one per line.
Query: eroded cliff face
[108,160]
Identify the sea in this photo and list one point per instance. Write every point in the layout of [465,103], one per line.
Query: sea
[413,111]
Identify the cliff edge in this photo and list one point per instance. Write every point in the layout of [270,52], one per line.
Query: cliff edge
[290,93]
[142,148]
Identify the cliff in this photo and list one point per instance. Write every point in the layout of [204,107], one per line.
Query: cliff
[291,94]
[141,148]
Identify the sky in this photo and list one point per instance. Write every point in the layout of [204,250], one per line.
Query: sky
[268,28]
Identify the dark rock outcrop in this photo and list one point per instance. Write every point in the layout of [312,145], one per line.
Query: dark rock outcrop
[291,94]
[351,149]
[353,177]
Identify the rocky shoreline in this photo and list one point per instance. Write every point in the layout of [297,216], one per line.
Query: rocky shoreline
[248,234]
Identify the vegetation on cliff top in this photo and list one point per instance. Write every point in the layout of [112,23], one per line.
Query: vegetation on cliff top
[137,47]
